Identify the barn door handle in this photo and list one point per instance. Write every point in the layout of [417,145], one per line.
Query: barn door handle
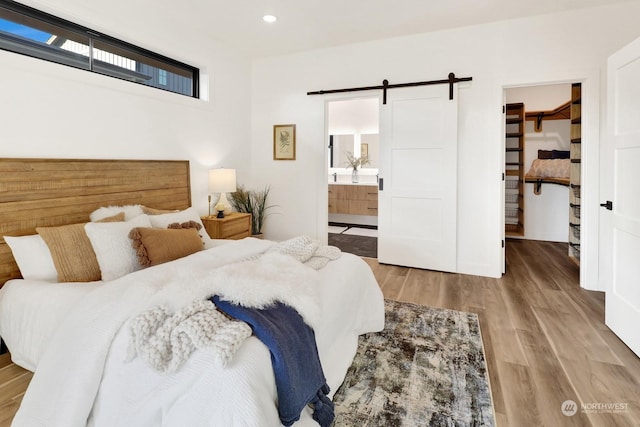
[608,205]
[380,184]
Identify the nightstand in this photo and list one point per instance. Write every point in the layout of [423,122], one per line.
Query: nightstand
[233,226]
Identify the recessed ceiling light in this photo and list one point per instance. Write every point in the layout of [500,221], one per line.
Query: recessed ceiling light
[269,18]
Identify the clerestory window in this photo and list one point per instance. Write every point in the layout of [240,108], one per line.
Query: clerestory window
[37,34]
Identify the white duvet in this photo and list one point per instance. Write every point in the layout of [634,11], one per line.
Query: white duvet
[82,378]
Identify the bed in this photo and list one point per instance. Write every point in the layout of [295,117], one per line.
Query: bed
[76,336]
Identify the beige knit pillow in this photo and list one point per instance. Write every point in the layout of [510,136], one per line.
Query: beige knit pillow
[155,245]
[72,253]
[71,250]
[152,211]
[115,218]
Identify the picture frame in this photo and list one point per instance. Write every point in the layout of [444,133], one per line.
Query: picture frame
[364,149]
[284,142]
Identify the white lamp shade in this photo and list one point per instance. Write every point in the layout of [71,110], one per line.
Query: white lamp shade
[222,180]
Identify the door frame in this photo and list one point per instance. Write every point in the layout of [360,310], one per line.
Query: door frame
[323,193]
[590,167]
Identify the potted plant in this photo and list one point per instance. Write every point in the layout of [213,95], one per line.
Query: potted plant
[354,163]
[253,202]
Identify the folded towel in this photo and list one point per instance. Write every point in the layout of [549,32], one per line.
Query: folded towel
[294,356]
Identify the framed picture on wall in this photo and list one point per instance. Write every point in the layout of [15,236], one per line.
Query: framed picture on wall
[284,142]
[364,150]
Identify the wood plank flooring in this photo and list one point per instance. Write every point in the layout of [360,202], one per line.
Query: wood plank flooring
[544,338]
[13,383]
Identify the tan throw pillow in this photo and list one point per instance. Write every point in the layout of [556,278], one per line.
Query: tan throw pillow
[155,246]
[152,211]
[189,214]
[72,253]
[115,218]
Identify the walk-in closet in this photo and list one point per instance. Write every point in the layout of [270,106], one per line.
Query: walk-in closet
[543,164]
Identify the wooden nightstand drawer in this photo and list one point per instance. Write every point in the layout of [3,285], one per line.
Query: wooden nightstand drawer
[233,226]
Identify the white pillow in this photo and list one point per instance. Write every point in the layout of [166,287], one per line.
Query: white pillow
[111,243]
[130,212]
[33,257]
[189,214]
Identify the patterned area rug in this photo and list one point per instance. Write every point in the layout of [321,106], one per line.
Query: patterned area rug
[427,368]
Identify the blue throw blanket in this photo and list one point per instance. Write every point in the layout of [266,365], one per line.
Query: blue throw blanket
[294,356]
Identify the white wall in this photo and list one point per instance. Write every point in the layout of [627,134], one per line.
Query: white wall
[50,110]
[546,215]
[554,48]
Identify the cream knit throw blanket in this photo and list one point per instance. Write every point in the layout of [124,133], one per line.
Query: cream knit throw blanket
[165,341]
[307,251]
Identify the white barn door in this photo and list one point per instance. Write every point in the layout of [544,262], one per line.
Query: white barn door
[417,201]
[622,306]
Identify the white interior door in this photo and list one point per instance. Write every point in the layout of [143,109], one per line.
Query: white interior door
[418,197]
[622,307]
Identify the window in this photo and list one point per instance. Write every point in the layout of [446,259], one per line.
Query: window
[30,32]
[162,77]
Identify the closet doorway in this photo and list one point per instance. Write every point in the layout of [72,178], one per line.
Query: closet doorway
[352,173]
[543,190]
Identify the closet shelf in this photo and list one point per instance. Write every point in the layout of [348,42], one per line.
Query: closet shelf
[576,190]
[576,250]
[576,209]
[514,168]
[575,203]
[514,229]
[546,180]
[562,112]
[575,230]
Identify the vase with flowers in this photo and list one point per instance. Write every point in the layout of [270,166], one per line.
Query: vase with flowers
[354,163]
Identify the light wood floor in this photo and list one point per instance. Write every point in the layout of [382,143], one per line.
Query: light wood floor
[544,337]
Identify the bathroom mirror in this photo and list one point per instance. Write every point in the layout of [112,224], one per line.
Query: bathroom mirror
[339,145]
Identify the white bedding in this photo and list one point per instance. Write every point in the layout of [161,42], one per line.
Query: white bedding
[65,391]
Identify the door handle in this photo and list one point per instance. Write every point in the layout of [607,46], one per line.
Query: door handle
[608,205]
[380,184]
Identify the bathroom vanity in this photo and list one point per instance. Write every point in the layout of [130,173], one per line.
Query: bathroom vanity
[353,199]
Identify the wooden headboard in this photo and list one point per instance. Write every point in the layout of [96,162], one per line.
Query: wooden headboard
[49,192]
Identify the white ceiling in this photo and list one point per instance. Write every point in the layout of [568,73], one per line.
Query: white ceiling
[310,24]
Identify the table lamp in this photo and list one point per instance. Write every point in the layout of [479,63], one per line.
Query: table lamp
[222,181]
